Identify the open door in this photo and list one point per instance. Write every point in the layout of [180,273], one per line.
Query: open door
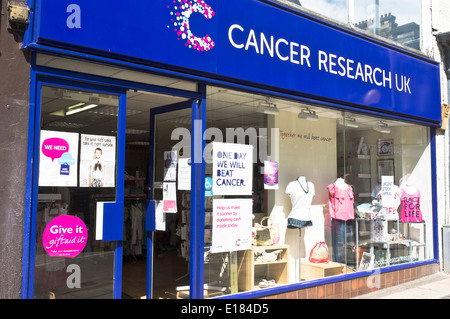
[157,196]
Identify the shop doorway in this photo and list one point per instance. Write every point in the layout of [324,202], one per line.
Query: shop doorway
[156,147]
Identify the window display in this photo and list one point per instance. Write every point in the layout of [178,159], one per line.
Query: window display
[336,190]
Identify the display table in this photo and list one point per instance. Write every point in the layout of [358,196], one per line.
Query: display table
[365,237]
[314,271]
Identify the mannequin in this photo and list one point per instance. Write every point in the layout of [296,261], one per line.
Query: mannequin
[340,201]
[301,193]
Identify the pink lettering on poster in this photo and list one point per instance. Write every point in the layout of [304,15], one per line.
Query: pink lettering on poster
[54,147]
[65,236]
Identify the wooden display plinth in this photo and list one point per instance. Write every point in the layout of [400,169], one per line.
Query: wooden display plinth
[314,271]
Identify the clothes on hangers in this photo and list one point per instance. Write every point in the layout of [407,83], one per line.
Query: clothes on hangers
[134,223]
[301,193]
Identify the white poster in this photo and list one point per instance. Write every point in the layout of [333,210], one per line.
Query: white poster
[97,161]
[58,158]
[170,166]
[232,169]
[160,217]
[387,191]
[232,225]
[184,174]
[99,221]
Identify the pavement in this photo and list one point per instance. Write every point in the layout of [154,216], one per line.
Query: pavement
[436,286]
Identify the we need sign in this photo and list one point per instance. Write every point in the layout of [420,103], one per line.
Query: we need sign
[232,169]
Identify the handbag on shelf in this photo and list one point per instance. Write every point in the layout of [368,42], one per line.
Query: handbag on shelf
[265,235]
[319,253]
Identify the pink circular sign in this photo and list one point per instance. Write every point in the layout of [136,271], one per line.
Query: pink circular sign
[65,236]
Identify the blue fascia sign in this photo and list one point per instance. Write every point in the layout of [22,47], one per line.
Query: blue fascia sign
[254,42]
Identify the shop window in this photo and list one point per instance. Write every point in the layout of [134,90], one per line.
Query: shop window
[77,173]
[385,18]
[332,193]
[335,9]
[390,20]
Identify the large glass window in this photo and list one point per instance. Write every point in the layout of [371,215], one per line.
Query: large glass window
[77,174]
[335,9]
[331,192]
[398,21]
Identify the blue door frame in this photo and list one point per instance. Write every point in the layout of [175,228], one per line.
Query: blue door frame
[197,195]
[33,173]
[43,76]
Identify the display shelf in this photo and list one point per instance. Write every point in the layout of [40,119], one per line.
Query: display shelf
[311,271]
[250,271]
[365,238]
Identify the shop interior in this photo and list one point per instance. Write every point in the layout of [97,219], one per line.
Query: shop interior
[330,139]
[342,134]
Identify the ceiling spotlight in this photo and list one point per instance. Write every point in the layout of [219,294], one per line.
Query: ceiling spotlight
[350,122]
[267,108]
[382,127]
[308,114]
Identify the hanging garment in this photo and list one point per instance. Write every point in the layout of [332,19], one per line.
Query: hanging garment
[136,216]
[340,202]
[410,211]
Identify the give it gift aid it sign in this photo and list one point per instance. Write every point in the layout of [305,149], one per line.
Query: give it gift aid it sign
[65,236]
[232,169]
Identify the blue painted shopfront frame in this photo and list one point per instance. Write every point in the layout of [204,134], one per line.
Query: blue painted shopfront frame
[111,231]
[428,117]
[60,77]
[113,227]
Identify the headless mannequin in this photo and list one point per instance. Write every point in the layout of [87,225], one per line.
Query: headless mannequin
[341,202]
[301,193]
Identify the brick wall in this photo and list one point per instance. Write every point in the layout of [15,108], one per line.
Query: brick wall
[359,286]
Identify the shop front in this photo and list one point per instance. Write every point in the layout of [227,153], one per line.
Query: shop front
[187,149]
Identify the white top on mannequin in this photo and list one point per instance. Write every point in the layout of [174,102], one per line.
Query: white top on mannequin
[301,193]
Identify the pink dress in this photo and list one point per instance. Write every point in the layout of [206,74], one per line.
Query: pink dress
[341,202]
[411,212]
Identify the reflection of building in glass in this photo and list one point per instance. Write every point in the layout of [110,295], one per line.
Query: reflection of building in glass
[407,34]
[295,1]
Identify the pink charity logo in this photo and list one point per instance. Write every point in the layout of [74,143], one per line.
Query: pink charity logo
[180,14]
[54,147]
[65,236]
